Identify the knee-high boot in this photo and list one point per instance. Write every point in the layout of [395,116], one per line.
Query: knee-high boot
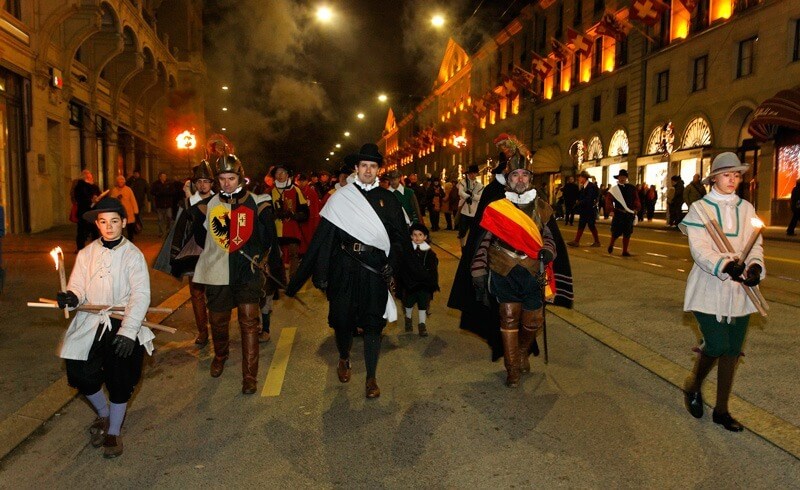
[250,325]
[221,339]
[531,325]
[198,295]
[693,397]
[509,331]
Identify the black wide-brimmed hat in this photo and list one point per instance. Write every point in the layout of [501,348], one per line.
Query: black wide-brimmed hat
[274,170]
[369,152]
[105,205]
[473,169]
[622,173]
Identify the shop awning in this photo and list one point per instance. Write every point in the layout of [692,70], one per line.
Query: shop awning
[780,111]
[546,160]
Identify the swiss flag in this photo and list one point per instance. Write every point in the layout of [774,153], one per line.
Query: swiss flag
[541,65]
[510,86]
[581,42]
[648,11]
[560,50]
[611,26]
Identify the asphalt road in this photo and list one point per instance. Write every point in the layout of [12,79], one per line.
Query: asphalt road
[590,418]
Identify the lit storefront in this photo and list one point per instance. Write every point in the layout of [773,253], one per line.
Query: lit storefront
[14,143]
[654,168]
[617,158]
[694,157]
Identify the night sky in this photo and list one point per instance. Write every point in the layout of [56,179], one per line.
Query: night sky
[296,84]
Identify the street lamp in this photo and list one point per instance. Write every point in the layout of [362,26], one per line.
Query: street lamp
[360,115]
[437,20]
[382,98]
[324,14]
[224,109]
[224,87]
[347,134]
[338,145]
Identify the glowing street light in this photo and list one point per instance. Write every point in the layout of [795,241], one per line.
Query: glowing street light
[382,98]
[437,20]
[347,134]
[360,115]
[324,14]
[224,87]
[224,109]
[224,129]
[338,145]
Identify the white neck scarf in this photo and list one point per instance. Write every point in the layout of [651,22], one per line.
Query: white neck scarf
[727,208]
[283,185]
[524,198]
[421,246]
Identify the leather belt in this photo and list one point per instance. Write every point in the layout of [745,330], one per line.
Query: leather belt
[358,247]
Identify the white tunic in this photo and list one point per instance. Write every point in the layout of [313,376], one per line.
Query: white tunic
[114,277]
[708,289]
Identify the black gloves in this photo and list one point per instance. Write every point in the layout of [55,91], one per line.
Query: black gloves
[123,346]
[753,276]
[480,284]
[66,299]
[734,269]
[469,201]
[546,256]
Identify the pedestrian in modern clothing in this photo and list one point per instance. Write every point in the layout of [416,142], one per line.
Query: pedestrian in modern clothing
[641,189]
[452,199]
[237,224]
[714,292]
[162,193]
[652,199]
[435,199]
[362,238]
[570,193]
[140,189]
[106,351]
[626,204]
[85,194]
[446,209]
[125,195]
[694,191]
[794,202]
[676,201]
[586,208]
[469,192]
[416,286]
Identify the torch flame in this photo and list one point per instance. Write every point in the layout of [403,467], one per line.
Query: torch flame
[186,140]
[57,253]
[757,223]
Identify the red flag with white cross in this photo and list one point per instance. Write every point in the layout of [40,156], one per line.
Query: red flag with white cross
[611,26]
[648,11]
[582,43]
[540,65]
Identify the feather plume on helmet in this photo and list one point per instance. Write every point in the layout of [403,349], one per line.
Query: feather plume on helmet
[513,153]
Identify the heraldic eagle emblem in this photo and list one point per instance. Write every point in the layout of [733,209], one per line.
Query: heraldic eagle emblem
[220,226]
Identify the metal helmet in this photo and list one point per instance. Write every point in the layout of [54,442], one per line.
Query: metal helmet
[519,170]
[230,164]
[202,171]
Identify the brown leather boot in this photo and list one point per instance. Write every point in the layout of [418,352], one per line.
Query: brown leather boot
[198,296]
[371,388]
[531,325]
[250,325]
[509,331]
[221,339]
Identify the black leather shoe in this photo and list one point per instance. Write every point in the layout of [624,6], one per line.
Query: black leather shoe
[694,403]
[725,420]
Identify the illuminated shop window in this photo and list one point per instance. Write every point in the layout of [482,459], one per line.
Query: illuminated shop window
[788,170]
[661,140]
[594,150]
[697,133]
[619,144]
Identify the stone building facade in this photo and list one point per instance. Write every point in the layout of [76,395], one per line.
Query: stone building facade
[659,101]
[103,85]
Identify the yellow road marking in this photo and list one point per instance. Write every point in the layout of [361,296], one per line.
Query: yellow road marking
[277,369]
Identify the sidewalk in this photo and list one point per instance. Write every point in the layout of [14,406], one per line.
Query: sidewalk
[29,337]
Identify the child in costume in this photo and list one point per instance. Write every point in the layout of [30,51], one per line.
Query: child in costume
[417,289]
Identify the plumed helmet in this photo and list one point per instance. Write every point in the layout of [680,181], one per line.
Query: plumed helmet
[202,171]
[521,170]
[230,164]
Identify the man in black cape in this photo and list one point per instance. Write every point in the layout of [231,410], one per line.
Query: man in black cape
[362,238]
[477,317]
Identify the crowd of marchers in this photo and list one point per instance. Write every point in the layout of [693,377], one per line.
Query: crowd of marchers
[361,237]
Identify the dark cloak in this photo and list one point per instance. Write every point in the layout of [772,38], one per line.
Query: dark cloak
[485,320]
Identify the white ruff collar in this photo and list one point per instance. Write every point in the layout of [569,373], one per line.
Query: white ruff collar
[284,185]
[422,246]
[366,187]
[524,198]
[228,196]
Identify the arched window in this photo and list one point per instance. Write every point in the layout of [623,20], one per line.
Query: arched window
[697,133]
[578,151]
[594,149]
[619,144]
[662,140]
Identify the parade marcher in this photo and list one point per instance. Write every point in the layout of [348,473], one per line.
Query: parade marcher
[100,350]
[421,193]
[323,185]
[125,195]
[309,226]
[405,195]
[237,224]
[452,204]
[514,244]
[588,196]
[181,251]
[414,289]
[446,209]
[290,209]
[341,181]
[476,315]
[140,189]
[435,197]
[714,292]
[162,193]
[361,239]
[626,203]
[469,192]
[85,194]
[795,203]
[693,192]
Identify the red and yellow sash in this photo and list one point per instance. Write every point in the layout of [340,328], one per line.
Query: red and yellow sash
[510,224]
